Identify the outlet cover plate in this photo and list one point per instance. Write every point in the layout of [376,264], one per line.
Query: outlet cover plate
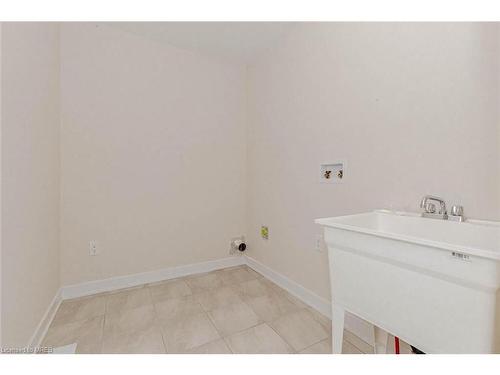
[93,248]
[264,232]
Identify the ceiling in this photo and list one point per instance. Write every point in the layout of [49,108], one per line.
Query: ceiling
[237,41]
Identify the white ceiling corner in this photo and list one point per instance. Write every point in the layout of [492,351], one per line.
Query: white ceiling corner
[238,41]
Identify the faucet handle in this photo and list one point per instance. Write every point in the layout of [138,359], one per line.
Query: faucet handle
[423,202]
[430,208]
[457,210]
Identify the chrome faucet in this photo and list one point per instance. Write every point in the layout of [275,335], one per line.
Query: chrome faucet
[457,213]
[430,208]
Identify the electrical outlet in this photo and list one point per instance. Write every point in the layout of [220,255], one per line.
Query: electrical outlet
[93,248]
[319,243]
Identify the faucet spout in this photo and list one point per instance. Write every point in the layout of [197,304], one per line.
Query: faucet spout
[429,207]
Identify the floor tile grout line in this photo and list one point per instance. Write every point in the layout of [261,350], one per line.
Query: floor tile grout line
[350,343]
[210,342]
[213,324]
[101,341]
[76,321]
[234,282]
[210,321]
[207,311]
[357,347]
[291,347]
[242,302]
[294,312]
[160,328]
[307,347]
[149,303]
[222,336]
[102,333]
[256,325]
[243,330]
[228,345]
[163,340]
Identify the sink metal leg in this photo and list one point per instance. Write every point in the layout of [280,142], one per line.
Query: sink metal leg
[338,314]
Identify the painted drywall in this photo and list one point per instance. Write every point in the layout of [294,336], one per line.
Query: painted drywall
[154,157]
[30,176]
[412,108]
[153,154]
[239,42]
[1,238]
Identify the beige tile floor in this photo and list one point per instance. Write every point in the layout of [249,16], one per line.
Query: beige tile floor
[234,310]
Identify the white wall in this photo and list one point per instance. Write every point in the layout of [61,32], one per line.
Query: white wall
[413,108]
[153,154]
[154,163]
[30,176]
[1,237]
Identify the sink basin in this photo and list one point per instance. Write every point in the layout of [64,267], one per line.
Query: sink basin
[433,283]
[475,237]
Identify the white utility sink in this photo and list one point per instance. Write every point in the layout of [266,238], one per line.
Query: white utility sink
[433,283]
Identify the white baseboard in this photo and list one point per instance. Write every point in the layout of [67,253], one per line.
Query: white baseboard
[43,326]
[357,326]
[120,282]
[305,295]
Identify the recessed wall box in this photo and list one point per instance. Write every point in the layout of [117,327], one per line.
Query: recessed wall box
[332,172]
